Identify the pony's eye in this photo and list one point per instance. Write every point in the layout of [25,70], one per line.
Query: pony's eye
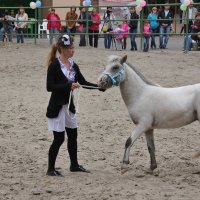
[115,67]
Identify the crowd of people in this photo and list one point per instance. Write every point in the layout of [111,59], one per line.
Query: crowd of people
[159,22]
[17,23]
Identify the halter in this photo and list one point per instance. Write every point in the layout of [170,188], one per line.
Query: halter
[116,78]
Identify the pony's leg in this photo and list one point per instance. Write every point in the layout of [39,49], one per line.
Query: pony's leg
[151,148]
[135,134]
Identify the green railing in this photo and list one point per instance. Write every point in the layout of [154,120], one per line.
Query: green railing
[34,23]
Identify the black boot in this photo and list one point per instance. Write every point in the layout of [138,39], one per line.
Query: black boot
[72,149]
[59,138]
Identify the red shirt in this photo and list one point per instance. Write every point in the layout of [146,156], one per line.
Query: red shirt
[95,26]
[55,23]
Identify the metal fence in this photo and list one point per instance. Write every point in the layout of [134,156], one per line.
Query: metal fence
[33,24]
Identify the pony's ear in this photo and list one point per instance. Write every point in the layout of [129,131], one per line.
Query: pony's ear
[123,59]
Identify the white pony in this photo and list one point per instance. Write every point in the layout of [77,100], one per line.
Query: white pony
[150,106]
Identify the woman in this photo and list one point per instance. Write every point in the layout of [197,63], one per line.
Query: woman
[20,24]
[133,24]
[63,76]
[71,18]
[54,25]
[94,28]
[83,19]
[153,18]
[108,26]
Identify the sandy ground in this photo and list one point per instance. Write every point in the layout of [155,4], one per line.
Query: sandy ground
[104,126]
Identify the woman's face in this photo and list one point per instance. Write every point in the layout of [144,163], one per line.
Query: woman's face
[94,10]
[68,52]
[73,9]
[21,10]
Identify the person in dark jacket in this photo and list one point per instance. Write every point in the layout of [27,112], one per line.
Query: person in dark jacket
[84,20]
[165,18]
[63,76]
[133,24]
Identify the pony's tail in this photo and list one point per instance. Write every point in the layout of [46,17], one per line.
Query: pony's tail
[52,54]
[196,155]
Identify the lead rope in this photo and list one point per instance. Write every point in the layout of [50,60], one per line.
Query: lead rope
[77,102]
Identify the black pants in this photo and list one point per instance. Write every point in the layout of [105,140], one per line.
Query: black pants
[59,138]
[93,35]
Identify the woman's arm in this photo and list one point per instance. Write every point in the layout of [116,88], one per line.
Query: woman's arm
[82,81]
[55,87]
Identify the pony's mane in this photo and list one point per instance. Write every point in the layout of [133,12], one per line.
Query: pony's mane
[141,75]
[114,58]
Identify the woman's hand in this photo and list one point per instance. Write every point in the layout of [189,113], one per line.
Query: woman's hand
[74,86]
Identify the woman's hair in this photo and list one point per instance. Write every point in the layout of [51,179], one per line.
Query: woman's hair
[20,9]
[65,41]
[73,8]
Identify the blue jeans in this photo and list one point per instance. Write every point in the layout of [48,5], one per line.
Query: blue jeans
[164,36]
[189,43]
[20,35]
[146,42]
[153,42]
[133,33]
[1,34]
[53,32]
[107,40]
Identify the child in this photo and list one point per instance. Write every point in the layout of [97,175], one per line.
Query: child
[118,35]
[146,35]
[125,28]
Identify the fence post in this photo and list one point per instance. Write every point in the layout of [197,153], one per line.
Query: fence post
[87,24]
[187,28]
[141,29]
[36,22]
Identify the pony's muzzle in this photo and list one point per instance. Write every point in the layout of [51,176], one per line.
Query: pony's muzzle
[104,82]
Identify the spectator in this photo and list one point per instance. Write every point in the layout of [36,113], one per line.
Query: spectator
[153,18]
[7,22]
[146,35]
[109,24]
[191,17]
[133,24]
[94,28]
[165,19]
[83,19]
[118,35]
[196,28]
[194,35]
[71,18]
[54,25]
[21,24]
[125,29]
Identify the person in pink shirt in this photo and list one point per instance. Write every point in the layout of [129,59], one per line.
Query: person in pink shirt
[54,25]
[125,28]
[118,35]
[94,28]
[146,35]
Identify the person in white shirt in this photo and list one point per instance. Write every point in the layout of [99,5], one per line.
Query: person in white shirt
[192,11]
[20,24]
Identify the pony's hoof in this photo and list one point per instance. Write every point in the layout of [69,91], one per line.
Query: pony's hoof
[149,171]
[124,168]
[154,172]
